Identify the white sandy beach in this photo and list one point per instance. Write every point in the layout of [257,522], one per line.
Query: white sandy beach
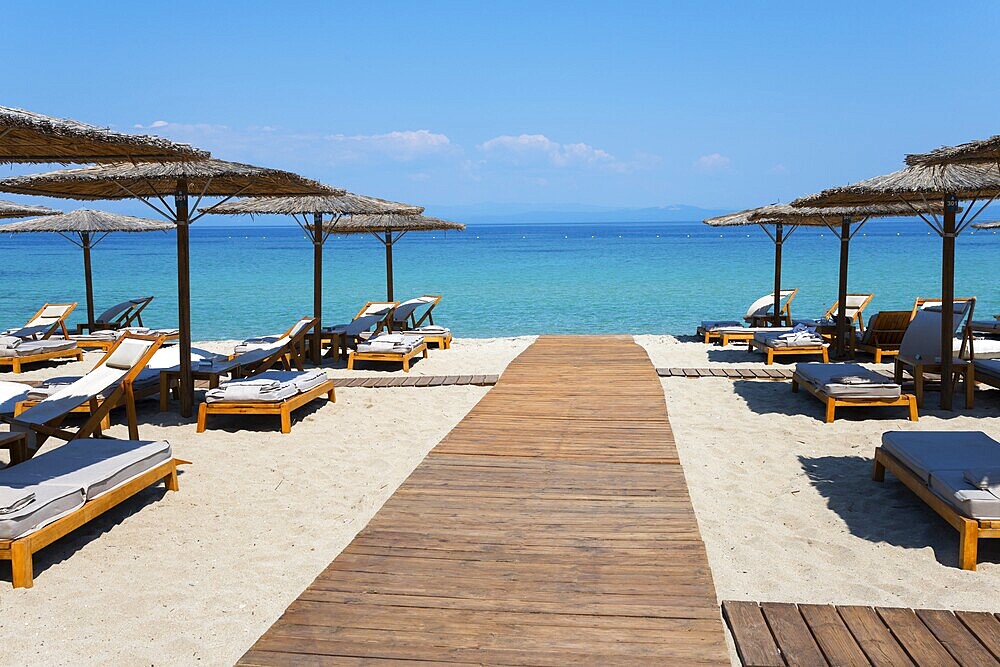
[786,504]
[200,574]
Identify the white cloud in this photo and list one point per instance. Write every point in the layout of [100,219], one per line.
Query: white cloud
[778,169]
[402,145]
[712,162]
[526,147]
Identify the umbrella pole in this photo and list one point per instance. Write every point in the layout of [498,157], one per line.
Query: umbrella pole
[88,278]
[184,297]
[317,286]
[845,246]
[779,239]
[947,299]
[388,265]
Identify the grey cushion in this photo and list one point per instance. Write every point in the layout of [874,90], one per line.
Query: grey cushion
[985,325]
[773,339]
[988,367]
[127,354]
[821,376]
[974,503]
[926,451]
[95,466]
[712,325]
[50,502]
[32,347]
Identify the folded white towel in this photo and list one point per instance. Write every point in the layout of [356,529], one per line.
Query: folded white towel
[13,499]
[233,391]
[9,342]
[853,379]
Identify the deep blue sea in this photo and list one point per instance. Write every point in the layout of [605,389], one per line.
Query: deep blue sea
[497,280]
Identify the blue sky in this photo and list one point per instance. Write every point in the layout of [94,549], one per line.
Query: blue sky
[719,105]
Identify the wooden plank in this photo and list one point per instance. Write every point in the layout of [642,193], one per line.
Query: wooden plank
[956,638]
[874,637]
[914,636]
[572,543]
[754,642]
[985,627]
[833,637]
[792,634]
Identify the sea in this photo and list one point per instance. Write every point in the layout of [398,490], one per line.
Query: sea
[496,279]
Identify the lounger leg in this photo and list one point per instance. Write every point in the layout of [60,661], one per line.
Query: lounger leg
[286,419]
[918,384]
[878,471]
[878,356]
[970,386]
[425,353]
[406,364]
[795,386]
[133,418]
[164,392]
[913,409]
[202,417]
[706,338]
[350,362]
[332,394]
[831,408]
[16,365]
[21,565]
[770,357]
[968,544]
[826,355]
[171,480]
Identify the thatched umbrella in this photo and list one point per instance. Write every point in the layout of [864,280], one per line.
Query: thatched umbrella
[388,229]
[974,152]
[157,181]
[86,228]
[9,209]
[993,224]
[301,209]
[918,187]
[31,137]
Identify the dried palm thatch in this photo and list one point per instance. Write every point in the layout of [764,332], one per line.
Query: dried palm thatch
[89,221]
[814,217]
[993,224]
[209,178]
[345,204]
[9,209]
[31,137]
[364,224]
[983,151]
[918,185]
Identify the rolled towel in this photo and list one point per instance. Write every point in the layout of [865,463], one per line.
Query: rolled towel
[853,379]
[985,480]
[9,342]
[234,391]
[433,329]
[12,499]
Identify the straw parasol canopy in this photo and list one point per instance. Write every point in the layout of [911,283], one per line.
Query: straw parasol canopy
[158,181]
[993,224]
[87,228]
[31,137]
[301,208]
[390,228]
[9,209]
[972,152]
[945,184]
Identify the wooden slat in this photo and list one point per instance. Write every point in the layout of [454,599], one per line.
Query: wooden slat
[914,636]
[833,637]
[874,637]
[956,638]
[985,627]
[552,526]
[792,634]
[754,642]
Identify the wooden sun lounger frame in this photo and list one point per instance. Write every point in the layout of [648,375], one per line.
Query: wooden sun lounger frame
[283,408]
[392,357]
[20,551]
[126,318]
[784,315]
[443,341]
[105,345]
[772,352]
[970,531]
[857,319]
[412,322]
[961,367]
[887,329]
[98,409]
[342,343]
[16,362]
[833,402]
[58,324]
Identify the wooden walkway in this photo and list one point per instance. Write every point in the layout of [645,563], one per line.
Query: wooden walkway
[777,634]
[552,526]
[735,373]
[375,382]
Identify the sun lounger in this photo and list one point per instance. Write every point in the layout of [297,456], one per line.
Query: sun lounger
[920,349]
[397,348]
[54,493]
[46,323]
[798,341]
[758,315]
[726,332]
[850,385]
[103,388]
[268,393]
[119,316]
[434,334]
[251,362]
[957,473]
[11,393]
[404,315]
[345,337]
[856,304]
[15,352]
[884,333]
[104,339]
[986,371]
[267,343]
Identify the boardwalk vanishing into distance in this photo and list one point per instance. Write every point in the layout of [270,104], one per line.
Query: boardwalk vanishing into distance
[552,526]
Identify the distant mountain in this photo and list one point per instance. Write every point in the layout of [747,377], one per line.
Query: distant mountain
[567,213]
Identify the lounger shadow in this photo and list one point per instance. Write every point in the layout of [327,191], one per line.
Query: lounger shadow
[845,483]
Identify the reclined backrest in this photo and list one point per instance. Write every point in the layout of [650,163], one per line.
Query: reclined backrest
[922,339]
[50,318]
[765,304]
[886,328]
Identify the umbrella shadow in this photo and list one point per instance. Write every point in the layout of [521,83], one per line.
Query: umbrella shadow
[261,423]
[885,512]
[733,355]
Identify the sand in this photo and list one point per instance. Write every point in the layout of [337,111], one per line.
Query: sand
[786,504]
[197,576]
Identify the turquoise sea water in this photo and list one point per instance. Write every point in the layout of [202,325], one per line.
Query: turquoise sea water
[498,280]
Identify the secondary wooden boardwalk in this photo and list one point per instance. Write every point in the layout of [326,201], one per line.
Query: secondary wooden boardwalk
[778,634]
[552,526]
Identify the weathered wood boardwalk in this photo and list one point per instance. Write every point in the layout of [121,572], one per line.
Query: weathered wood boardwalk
[776,634]
[552,526]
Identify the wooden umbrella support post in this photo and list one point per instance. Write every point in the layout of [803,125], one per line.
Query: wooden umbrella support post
[317,241]
[778,241]
[388,264]
[845,248]
[948,233]
[182,220]
[88,277]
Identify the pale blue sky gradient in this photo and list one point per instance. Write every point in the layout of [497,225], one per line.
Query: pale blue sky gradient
[720,105]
